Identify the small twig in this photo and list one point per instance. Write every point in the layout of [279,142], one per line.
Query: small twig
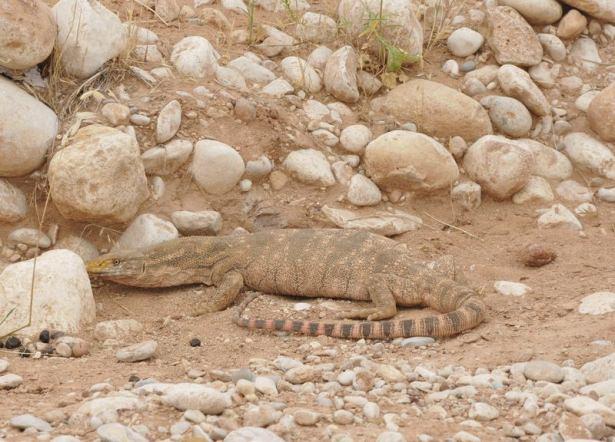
[122,307]
[453,227]
[153,11]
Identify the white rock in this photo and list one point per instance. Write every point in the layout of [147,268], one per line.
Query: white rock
[25,421]
[237,6]
[464,436]
[165,160]
[265,385]
[411,161]
[315,110]
[559,215]
[88,36]
[230,78]
[27,33]
[310,167]
[118,432]
[517,83]
[85,249]
[537,189]
[583,102]
[582,405]
[252,434]
[586,209]
[119,329]
[599,370]
[300,74]
[354,138]
[137,352]
[536,12]
[205,222]
[105,406]
[382,223]
[28,130]
[363,192]
[553,46]
[195,57]
[467,194]
[99,177]
[570,190]
[483,412]
[508,115]
[390,436]
[147,54]
[278,88]
[508,288]
[186,396]
[168,122]
[251,70]
[4,365]
[145,231]
[548,162]
[451,67]
[501,166]
[259,168]
[316,28]
[585,52]
[543,371]
[607,195]
[598,303]
[340,76]
[216,166]
[143,36]
[368,83]
[464,42]
[590,154]
[13,204]
[276,42]
[319,56]
[168,10]
[62,296]
[10,381]
[29,237]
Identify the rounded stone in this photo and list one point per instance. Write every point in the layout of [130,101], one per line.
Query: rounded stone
[13,203]
[354,138]
[411,161]
[536,12]
[543,371]
[363,192]
[310,167]
[195,57]
[340,76]
[27,33]
[517,83]
[464,42]
[512,39]
[508,115]
[216,166]
[571,25]
[601,113]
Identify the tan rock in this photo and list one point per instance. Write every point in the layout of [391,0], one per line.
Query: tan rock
[601,113]
[603,9]
[571,25]
[512,39]
[437,110]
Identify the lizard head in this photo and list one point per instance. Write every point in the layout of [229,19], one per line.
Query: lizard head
[118,266]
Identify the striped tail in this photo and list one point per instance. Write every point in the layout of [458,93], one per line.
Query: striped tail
[467,316]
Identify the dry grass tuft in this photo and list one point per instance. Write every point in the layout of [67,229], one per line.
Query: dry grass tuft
[437,21]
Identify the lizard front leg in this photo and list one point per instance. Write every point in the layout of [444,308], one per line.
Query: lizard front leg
[385,306]
[224,294]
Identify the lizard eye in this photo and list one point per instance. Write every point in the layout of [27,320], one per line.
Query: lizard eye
[116,262]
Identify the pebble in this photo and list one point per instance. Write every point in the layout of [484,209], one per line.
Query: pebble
[483,412]
[417,342]
[354,138]
[168,122]
[512,39]
[601,113]
[309,166]
[508,288]
[536,12]
[508,115]
[252,434]
[571,190]
[306,417]
[29,237]
[553,46]
[571,25]
[363,192]
[25,421]
[216,167]
[464,42]
[10,381]
[543,371]
[137,352]
[266,386]
[206,222]
[517,83]
[390,436]
[343,417]
[116,432]
[467,194]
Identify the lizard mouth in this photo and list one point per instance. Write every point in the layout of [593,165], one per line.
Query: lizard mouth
[99,267]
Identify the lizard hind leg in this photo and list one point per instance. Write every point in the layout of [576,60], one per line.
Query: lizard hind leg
[224,294]
[384,307]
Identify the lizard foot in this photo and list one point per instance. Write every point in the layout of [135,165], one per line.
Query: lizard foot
[371,314]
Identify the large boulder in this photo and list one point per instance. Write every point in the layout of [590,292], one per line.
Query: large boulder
[99,177]
[399,25]
[601,113]
[411,161]
[437,110]
[61,299]
[27,33]
[501,166]
[27,130]
[602,9]
[89,35]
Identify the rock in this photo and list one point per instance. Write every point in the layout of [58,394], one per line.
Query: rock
[382,223]
[99,177]
[363,192]
[584,52]
[216,167]
[437,110]
[512,39]
[115,432]
[536,255]
[316,28]
[305,417]
[69,346]
[604,10]
[464,436]
[166,159]
[29,237]
[13,204]
[570,190]
[553,46]
[85,249]
[368,83]
[10,381]
[570,427]
[517,83]
[4,365]
[571,25]
[88,36]
[582,405]
[145,231]
[464,42]
[607,195]
[601,113]
[590,154]
[195,57]
[467,195]
[390,436]
[319,56]
[537,189]
[301,374]
[543,75]
[29,129]
[410,161]
[403,30]
[25,421]
[230,78]
[27,33]
[116,113]
[508,288]
[543,371]
[310,167]
[169,120]
[266,386]
[598,303]
[252,434]
[340,75]
[253,71]
[104,407]
[559,215]
[599,370]
[548,162]
[301,75]
[354,138]
[186,396]
[501,166]
[206,222]
[481,411]
[62,297]
[541,12]
[168,10]
[508,115]
[137,352]
[278,88]
[259,168]
[118,329]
